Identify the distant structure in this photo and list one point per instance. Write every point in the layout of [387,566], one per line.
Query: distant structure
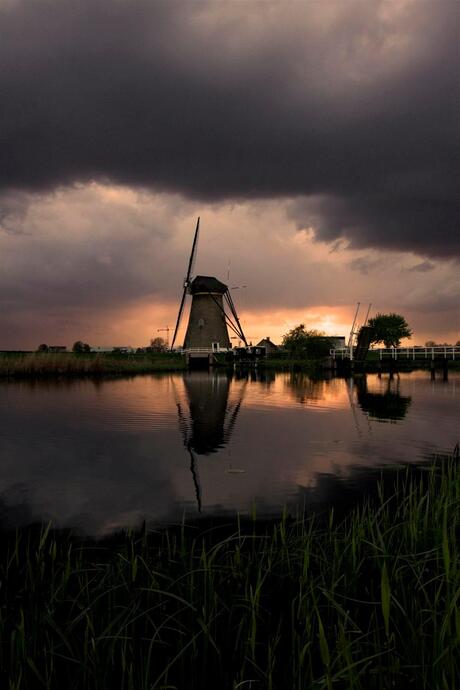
[122,349]
[337,341]
[211,314]
[270,348]
[57,348]
[334,341]
[162,330]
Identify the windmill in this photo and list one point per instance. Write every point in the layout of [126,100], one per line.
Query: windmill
[212,311]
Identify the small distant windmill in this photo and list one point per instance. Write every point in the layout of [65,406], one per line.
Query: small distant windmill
[212,310]
[360,338]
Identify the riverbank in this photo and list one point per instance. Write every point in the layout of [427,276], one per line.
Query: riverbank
[44,364]
[49,365]
[368,600]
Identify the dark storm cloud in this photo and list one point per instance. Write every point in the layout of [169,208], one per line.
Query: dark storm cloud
[352,107]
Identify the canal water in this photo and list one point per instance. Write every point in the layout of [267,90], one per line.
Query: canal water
[98,456]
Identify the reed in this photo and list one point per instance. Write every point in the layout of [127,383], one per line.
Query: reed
[370,600]
[40,365]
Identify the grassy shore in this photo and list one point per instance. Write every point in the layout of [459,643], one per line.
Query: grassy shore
[44,364]
[370,600]
[70,364]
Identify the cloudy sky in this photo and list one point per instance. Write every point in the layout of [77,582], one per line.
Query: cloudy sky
[317,140]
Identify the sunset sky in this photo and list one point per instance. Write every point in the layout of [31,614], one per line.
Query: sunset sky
[317,140]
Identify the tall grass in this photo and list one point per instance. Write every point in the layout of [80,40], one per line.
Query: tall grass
[368,601]
[70,364]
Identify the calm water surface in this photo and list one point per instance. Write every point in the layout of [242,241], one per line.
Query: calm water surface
[98,456]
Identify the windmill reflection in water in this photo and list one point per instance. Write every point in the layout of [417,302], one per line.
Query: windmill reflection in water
[208,424]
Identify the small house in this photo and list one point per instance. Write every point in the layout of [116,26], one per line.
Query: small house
[270,348]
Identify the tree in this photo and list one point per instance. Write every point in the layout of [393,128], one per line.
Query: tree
[42,348]
[306,343]
[158,344]
[432,343]
[389,329]
[80,346]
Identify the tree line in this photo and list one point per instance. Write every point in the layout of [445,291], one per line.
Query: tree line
[388,329]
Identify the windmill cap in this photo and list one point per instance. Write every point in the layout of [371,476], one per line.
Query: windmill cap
[207,284]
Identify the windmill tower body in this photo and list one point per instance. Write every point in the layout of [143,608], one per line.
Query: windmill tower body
[207,327]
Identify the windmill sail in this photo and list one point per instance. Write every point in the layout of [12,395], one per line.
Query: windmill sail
[239,329]
[191,264]
[179,316]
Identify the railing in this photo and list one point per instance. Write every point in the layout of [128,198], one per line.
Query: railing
[439,352]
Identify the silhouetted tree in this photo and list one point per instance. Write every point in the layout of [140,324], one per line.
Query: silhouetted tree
[306,343]
[386,406]
[158,344]
[389,329]
[43,348]
[432,343]
[80,346]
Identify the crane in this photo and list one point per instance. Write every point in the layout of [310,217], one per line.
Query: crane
[165,330]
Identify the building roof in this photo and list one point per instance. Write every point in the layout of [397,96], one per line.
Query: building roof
[207,284]
[266,342]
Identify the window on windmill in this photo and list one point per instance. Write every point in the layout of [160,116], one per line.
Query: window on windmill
[200,323]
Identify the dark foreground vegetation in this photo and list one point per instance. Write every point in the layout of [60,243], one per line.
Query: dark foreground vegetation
[45,364]
[366,600]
